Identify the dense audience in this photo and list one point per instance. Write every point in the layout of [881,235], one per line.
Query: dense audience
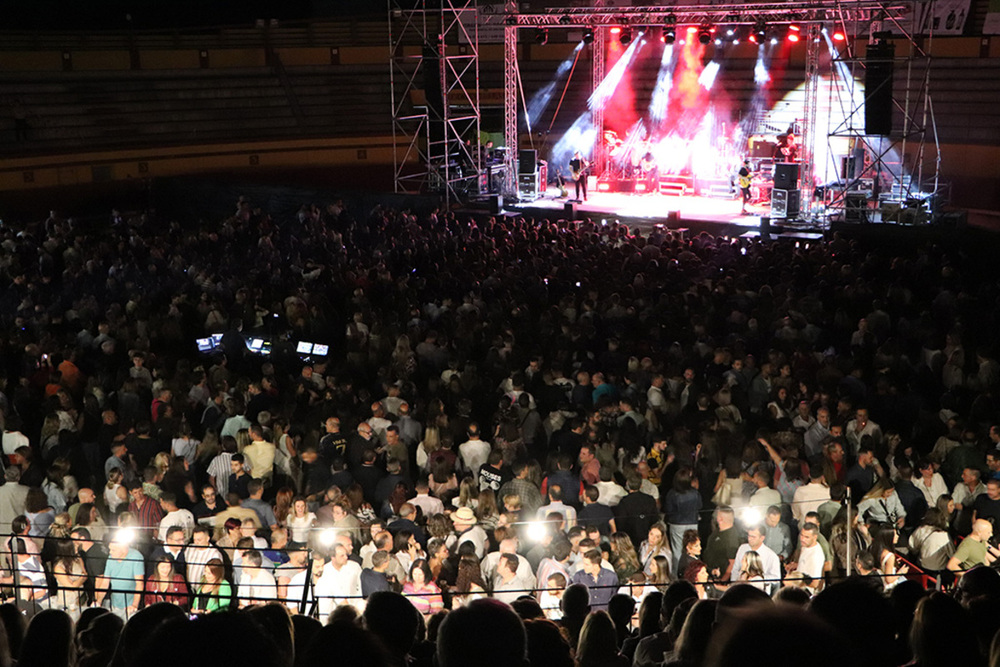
[529,442]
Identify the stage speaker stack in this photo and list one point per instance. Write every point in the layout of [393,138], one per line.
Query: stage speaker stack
[878,88]
[786,175]
[526,161]
[785,203]
[528,187]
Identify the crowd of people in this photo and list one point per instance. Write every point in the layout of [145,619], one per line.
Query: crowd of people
[530,442]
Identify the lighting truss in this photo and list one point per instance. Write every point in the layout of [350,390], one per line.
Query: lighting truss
[736,14]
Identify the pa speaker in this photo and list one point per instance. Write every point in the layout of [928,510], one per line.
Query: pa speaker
[786,175]
[526,161]
[878,88]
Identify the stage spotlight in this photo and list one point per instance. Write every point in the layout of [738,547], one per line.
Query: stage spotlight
[839,36]
[704,35]
[565,19]
[625,37]
[541,36]
[616,30]
[511,20]
[671,19]
[759,33]
[588,36]
[793,33]
[669,36]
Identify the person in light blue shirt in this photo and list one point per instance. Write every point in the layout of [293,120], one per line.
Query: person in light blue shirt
[123,578]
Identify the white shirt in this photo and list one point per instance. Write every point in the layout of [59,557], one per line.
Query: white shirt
[558,506]
[934,491]
[611,493]
[474,454]
[764,498]
[477,536]
[258,588]
[12,440]
[336,587]
[182,518]
[428,504]
[524,574]
[808,498]
[811,560]
[196,558]
[769,559]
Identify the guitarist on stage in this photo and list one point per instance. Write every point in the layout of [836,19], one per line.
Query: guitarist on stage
[579,167]
[745,180]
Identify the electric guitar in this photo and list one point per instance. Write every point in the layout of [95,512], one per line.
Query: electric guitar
[745,181]
[581,172]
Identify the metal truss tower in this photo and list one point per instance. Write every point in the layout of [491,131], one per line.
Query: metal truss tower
[902,167]
[434,80]
[511,75]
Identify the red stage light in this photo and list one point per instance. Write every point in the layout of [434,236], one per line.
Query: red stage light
[793,37]
[753,38]
[692,29]
[604,187]
[615,30]
[838,36]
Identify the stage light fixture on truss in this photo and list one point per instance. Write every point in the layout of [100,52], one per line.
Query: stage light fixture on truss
[759,32]
[669,35]
[541,36]
[705,34]
[625,37]
[794,33]
[565,19]
[588,36]
[671,19]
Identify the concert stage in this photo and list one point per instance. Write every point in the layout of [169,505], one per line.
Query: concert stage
[696,213]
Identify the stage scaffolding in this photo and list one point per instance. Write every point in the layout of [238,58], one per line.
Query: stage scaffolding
[897,176]
[434,81]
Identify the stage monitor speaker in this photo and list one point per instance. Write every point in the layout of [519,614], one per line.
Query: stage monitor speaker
[765,228]
[569,210]
[786,175]
[495,204]
[526,160]
[878,88]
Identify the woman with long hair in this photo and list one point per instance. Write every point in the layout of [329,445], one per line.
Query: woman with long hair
[598,644]
[661,573]
[213,592]
[860,539]
[70,575]
[468,494]
[283,504]
[469,584]
[931,542]
[87,516]
[115,493]
[883,550]
[654,545]
[752,570]
[623,556]
[421,590]
[39,513]
[487,512]
[300,521]
[165,585]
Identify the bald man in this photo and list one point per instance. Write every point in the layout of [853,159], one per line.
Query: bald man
[975,549]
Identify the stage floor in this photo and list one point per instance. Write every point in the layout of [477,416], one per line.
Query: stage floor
[646,210]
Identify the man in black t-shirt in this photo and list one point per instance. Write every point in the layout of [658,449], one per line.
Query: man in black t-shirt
[579,167]
[744,176]
[987,506]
